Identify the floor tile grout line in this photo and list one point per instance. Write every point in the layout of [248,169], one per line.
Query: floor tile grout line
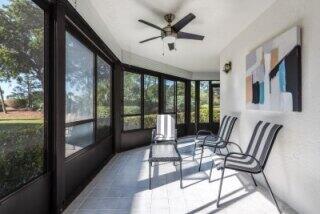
[86,196]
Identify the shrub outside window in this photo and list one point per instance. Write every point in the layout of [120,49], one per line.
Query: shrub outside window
[132,101]
[216,101]
[180,102]
[151,101]
[193,102]
[169,96]
[204,102]
[103,99]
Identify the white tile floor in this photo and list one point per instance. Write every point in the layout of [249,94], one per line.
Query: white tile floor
[122,187]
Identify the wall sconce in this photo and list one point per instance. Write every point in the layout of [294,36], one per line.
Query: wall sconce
[227,67]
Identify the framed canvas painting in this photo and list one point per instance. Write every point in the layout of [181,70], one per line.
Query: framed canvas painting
[273,74]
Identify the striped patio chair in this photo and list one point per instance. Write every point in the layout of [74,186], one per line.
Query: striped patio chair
[218,141]
[165,130]
[254,160]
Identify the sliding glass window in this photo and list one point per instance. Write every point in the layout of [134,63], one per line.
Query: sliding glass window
[204,102]
[151,101]
[103,99]
[22,83]
[169,96]
[132,101]
[79,95]
[180,102]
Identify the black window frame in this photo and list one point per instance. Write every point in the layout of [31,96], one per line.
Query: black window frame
[47,101]
[212,83]
[161,78]
[73,30]
[123,115]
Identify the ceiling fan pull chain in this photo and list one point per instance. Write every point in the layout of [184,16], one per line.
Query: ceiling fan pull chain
[162,48]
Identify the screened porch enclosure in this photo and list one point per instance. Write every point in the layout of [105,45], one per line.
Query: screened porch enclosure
[69,104]
[80,130]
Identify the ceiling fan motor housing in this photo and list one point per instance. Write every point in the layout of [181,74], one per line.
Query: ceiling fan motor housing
[169,17]
[168,31]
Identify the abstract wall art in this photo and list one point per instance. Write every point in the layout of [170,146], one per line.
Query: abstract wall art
[273,74]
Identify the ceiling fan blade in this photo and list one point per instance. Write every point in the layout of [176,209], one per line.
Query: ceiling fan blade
[150,24]
[152,38]
[183,35]
[183,22]
[171,46]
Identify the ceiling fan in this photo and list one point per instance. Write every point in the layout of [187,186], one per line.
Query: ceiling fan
[169,34]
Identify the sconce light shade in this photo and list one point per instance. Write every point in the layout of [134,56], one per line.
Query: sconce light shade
[227,67]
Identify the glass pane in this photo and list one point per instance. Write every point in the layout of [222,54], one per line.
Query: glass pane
[193,102]
[103,98]
[78,137]
[216,102]
[131,122]
[169,96]
[132,93]
[79,80]
[204,102]
[151,91]
[180,102]
[22,154]
[150,121]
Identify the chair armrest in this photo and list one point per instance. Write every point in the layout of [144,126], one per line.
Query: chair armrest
[232,143]
[203,132]
[236,153]
[235,144]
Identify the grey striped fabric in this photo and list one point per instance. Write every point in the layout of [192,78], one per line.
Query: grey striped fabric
[224,132]
[166,127]
[259,147]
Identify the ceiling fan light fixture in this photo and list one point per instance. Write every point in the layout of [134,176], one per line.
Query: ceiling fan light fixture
[169,39]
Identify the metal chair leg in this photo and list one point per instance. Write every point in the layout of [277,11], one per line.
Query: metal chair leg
[227,150]
[150,164]
[220,187]
[194,150]
[211,170]
[181,175]
[201,157]
[274,199]
[214,152]
[254,181]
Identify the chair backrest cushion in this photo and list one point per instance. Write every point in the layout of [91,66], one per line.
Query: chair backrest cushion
[226,127]
[166,127]
[262,140]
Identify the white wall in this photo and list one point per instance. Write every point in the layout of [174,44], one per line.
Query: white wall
[205,75]
[293,168]
[136,60]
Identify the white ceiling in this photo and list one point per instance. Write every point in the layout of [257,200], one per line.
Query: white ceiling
[218,20]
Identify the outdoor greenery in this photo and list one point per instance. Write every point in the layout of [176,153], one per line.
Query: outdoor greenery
[21,115]
[79,80]
[103,98]
[22,156]
[180,102]
[151,101]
